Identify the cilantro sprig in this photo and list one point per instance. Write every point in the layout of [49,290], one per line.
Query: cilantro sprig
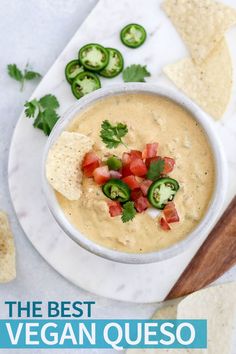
[21,76]
[112,135]
[128,212]
[155,170]
[44,112]
[135,73]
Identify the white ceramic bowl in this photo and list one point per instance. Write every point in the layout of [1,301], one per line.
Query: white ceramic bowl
[215,205]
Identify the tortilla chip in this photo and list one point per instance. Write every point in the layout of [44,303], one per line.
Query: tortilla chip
[63,166]
[201,23]
[209,84]
[217,305]
[7,251]
[167,312]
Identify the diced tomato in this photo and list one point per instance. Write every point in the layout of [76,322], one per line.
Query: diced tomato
[150,151]
[145,186]
[151,159]
[90,162]
[115,174]
[131,181]
[141,204]
[170,213]
[101,174]
[136,194]
[89,158]
[144,154]
[115,208]
[88,170]
[126,158]
[169,165]
[126,171]
[164,224]
[135,154]
[138,167]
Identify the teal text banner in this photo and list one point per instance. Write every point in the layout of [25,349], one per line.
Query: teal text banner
[117,334]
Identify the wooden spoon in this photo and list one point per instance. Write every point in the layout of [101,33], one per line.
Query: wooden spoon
[214,258]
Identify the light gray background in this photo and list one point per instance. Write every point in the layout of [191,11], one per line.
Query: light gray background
[36,31]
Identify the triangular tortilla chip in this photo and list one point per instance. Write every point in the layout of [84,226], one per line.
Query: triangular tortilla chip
[7,251]
[63,166]
[217,305]
[209,84]
[201,23]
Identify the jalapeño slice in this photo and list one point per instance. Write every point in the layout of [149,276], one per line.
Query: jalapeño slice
[133,35]
[115,64]
[162,191]
[115,189]
[93,56]
[72,69]
[85,83]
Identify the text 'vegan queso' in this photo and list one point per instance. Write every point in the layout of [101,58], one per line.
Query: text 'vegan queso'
[150,118]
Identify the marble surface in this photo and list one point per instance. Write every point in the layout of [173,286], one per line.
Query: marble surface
[52,30]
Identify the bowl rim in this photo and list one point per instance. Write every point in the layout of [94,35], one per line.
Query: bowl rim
[215,205]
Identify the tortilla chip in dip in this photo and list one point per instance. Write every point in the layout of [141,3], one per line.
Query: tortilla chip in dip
[209,84]
[7,251]
[201,24]
[63,166]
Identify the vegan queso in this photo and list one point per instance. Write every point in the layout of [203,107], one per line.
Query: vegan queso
[133,172]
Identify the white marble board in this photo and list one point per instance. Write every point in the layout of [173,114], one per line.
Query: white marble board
[142,283]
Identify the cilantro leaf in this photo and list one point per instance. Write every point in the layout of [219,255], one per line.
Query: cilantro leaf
[38,122]
[50,117]
[135,73]
[121,130]
[155,169]
[128,212]
[15,73]
[31,107]
[41,123]
[44,112]
[31,75]
[112,135]
[49,101]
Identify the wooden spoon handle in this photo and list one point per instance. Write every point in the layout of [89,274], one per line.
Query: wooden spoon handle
[215,257]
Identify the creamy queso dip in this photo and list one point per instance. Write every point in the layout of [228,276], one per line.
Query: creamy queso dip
[150,118]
